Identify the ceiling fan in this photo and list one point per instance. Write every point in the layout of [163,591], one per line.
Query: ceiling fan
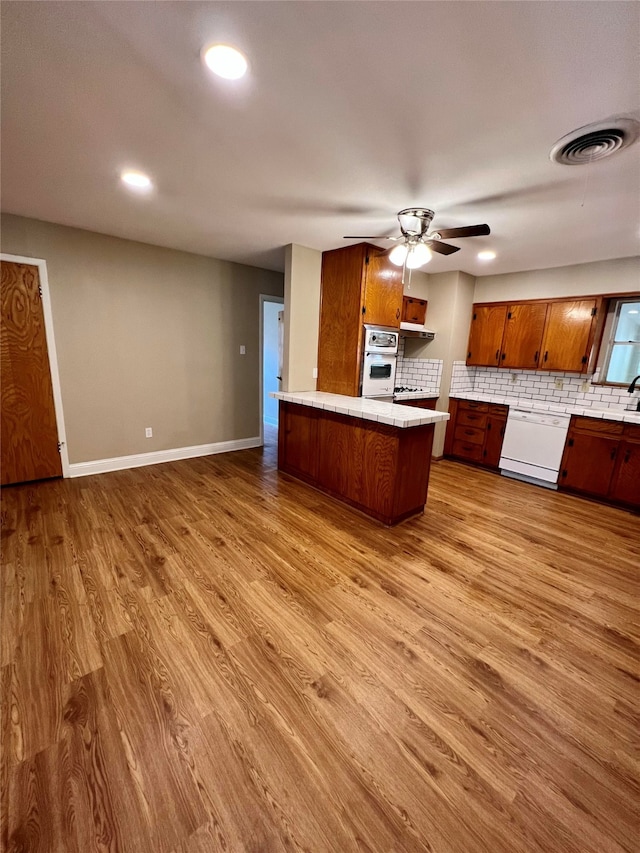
[417,244]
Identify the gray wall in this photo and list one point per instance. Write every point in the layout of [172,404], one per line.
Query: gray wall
[148,336]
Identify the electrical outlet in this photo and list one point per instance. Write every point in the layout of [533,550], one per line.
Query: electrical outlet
[315,372]
[148,432]
[243,350]
[559,384]
[514,377]
[585,386]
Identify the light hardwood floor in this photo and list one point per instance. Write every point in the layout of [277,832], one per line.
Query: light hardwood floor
[209,656]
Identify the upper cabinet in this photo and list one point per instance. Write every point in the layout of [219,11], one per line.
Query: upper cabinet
[568,335]
[534,335]
[359,285]
[414,310]
[522,342]
[485,336]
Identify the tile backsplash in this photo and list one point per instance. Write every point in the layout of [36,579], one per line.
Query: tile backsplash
[418,372]
[563,388]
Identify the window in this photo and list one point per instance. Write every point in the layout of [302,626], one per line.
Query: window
[622,356]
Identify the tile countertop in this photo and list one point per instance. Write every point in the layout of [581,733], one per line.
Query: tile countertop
[392,414]
[543,406]
[422,394]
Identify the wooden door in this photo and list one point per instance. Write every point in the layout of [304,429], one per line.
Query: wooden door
[588,463]
[568,335]
[522,342]
[626,479]
[494,436]
[485,335]
[414,310]
[29,432]
[383,291]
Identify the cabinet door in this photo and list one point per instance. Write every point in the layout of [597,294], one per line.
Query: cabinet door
[383,292]
[414,310]
[626,479]
[522,342]
[588,463]
[485,335]
[494,435]
[568,335]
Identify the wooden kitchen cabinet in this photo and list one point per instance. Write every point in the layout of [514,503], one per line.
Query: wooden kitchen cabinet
[414,310]
[555,334]
[523,330]
[485,335]
[602,460]
[568,335]
[359,285]
[475,431]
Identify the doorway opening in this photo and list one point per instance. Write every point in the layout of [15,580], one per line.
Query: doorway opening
[271,346]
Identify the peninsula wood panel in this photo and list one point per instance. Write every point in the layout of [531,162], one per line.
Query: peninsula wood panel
[264,669]
[522,342]
[29,432]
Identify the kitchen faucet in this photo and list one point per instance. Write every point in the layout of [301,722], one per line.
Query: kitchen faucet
[632,388]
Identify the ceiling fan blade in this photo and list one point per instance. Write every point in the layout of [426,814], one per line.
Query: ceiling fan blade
[441,248]
[467,231]
[369,237]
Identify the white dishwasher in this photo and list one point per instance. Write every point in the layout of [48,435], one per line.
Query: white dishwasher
[533,446]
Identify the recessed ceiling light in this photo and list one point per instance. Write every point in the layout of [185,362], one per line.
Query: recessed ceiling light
[486,256]
[225,61]
[136,180]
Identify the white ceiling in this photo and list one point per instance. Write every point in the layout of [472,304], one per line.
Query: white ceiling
[351,111]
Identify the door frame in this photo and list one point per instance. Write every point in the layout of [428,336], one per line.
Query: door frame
[51,349]
[264,297]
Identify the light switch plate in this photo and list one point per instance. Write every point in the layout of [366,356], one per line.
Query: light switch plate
[243,350]
[315,372]
[148,432]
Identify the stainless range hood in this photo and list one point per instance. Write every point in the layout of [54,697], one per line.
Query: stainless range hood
[415,330]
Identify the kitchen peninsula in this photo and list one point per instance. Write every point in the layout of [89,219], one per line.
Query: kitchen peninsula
[370,454]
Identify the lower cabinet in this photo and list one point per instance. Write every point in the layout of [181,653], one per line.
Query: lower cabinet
[475,431]
[602,459]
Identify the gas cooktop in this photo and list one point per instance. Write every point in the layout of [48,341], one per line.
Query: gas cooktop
[404,389]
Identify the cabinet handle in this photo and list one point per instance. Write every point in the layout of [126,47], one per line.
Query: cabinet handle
[497,354]
[398,314]
[489,425]
[535,358]
[546,355]
[468,432]
[504,355]
[613,452]
[627,456]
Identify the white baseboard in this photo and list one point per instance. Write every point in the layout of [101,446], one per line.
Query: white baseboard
[139,460]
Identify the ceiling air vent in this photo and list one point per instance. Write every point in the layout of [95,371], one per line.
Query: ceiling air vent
[595,141]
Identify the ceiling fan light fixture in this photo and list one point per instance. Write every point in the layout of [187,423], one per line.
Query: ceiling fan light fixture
[419,255]
[398,254]
[486,255]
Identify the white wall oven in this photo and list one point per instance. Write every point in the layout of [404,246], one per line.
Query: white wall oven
[379,361]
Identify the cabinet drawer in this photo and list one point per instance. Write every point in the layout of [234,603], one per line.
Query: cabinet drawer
[474,419]
[466,450]
[469,435]
[597,425]
[472,406]
[632,431]
[495,409]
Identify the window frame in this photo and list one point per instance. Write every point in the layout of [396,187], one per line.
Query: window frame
[613,312]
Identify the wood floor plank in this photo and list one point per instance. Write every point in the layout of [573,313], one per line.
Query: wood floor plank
[206,655]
